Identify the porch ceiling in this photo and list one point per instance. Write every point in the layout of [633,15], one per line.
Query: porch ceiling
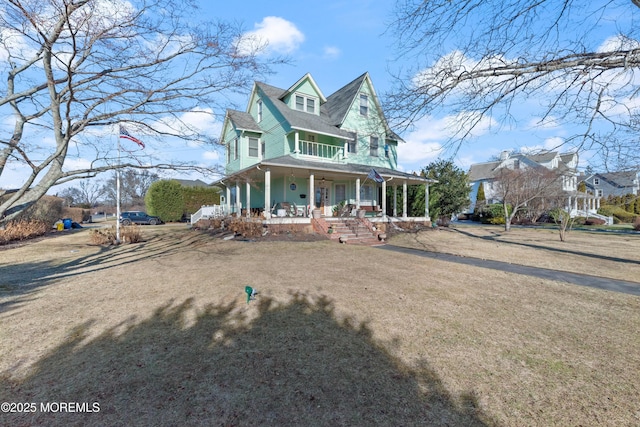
[286,165]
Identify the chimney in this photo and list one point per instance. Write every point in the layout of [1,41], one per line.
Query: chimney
[504,155]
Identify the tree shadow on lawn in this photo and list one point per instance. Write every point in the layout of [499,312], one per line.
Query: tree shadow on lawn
[18,282]
[293,364]
[496,238]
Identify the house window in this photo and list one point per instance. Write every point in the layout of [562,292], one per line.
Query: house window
[599,193]
[262,149]
[366,193]
[516,164]
[596,181]
[254,143]
[259,110]
[341,193]
[228,151]
[352,146]
[386,150]
[235,149]
[364,104]
[373,146]
[305,103]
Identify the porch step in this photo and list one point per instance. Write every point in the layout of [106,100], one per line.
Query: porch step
[364,236]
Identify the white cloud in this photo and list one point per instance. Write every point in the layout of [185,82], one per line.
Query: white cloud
[211,155]
[272,35]
[71,164]
[618,42]
[331,52]
[199,121]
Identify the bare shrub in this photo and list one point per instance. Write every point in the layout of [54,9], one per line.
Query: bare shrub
[636,223]
[131,234]
[22,230]
[103,236]
[245,228]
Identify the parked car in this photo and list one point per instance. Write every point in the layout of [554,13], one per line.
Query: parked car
[138,217]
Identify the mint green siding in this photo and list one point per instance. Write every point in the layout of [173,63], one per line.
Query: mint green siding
[373,124]
[279,138]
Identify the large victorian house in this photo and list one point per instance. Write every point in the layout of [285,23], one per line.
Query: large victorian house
[295,152]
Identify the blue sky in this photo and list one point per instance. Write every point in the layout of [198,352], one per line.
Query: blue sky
[336,41]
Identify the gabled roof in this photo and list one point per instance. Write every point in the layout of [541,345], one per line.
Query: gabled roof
[299,119]
[480,171]
[339,102]
[192,183]
[619,179]
[312,82]
[489,170]
[243,121]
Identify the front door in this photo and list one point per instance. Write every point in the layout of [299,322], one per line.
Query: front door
[322,199]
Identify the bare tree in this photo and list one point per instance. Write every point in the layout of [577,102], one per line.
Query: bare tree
[88,192]
[516,188]
[75,69]
[480,59]
[134,186]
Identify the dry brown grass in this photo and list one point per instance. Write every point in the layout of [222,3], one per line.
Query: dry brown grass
[612,255]
[159,333]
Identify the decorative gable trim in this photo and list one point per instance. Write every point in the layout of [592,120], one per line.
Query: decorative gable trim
[296,85]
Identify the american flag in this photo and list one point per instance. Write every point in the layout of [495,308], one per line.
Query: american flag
[126,135]
[374,175]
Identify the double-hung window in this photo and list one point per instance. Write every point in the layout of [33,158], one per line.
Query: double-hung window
[373,146]
[254,146]
[364,104]
[305,103]
[352,145]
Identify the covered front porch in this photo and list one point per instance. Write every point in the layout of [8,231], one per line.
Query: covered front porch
[291,190]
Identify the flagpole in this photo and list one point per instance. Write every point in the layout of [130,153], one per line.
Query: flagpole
[118,195]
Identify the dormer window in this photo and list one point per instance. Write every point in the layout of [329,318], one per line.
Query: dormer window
[259,110]
[596,181]
[305,103]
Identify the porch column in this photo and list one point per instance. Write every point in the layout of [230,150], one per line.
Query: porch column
[404,199]
[357,193]
[227,201]
[346,149]
[312,195]
[237,201]
[395,200]
[296,148]
[267,194]
[426,201]
[248,199]
[597,203]
[384,199]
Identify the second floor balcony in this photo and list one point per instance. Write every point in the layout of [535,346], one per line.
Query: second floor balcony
[327,152]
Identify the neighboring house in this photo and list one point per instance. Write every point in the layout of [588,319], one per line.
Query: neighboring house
[192,183]
[486,173]
[294,151]
[613,183]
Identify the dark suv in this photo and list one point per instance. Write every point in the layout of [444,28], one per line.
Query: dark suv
[138,217]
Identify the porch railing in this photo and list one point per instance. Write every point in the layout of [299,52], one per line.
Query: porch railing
[325,151]
[206,212]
